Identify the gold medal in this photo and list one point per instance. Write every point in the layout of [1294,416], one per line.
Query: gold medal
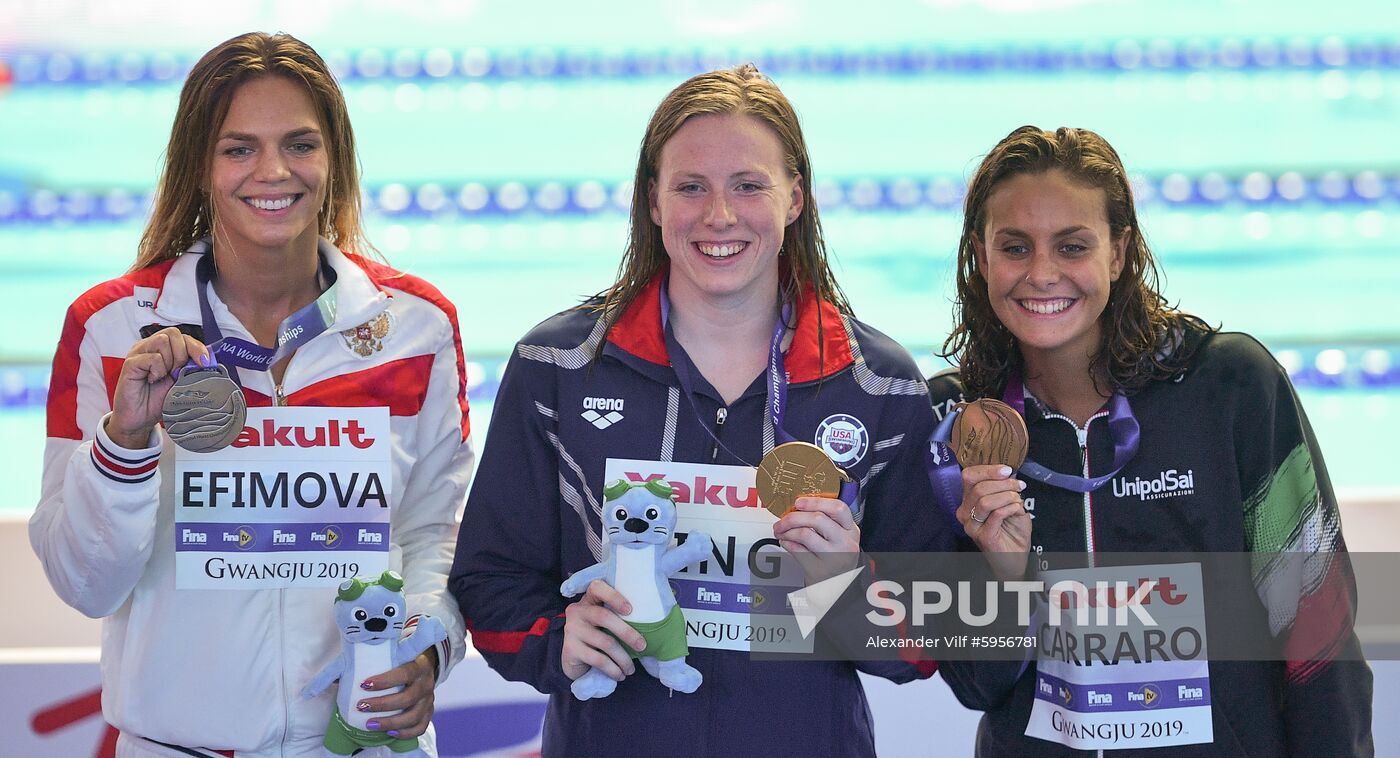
[989,432]
[796,469]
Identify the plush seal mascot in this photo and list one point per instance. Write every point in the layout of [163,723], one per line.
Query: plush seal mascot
[638,561]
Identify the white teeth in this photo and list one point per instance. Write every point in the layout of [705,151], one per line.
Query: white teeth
[1046,307]
[721,251]
[271,205]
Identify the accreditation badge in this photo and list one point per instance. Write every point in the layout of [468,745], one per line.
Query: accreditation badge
[723,610]
[1122,659]
[299,499]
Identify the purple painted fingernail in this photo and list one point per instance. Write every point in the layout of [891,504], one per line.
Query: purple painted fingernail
[367,684]
[393,732]
[372,726]
[362,706]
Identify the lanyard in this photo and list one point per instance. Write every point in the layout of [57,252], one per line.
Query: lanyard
[294,331]
[945,474]
[776,379]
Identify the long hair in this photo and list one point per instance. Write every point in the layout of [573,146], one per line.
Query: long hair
[182,211]
[740,90]
[1142,338]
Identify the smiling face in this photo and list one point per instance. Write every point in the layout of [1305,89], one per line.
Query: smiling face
[268,175]
[723,197]
[1049,260]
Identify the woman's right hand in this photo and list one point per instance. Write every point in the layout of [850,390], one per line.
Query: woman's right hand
[994,516]
[146,377]
[587,645]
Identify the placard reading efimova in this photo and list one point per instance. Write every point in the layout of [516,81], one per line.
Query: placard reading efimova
[300,499]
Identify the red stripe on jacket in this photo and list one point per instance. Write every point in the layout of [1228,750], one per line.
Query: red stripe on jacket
[383,276]
[400,385]
[63,382]
[506,642]
[639,332]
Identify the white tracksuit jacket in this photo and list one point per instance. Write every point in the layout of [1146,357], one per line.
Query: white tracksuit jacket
[220,670]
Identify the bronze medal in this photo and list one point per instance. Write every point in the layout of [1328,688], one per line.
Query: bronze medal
[205,410]
[796,469]
[989,432]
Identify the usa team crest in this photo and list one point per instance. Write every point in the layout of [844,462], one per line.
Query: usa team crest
[368,338]
[843,438]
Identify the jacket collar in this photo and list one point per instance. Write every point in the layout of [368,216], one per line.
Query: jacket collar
[357,297]
[638,332]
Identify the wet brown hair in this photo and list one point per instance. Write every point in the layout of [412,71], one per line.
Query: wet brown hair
[182,212]
[740,90]
[1143,339]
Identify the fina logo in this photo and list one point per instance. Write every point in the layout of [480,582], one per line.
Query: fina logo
[591,406]
[1147,697]
[843,438]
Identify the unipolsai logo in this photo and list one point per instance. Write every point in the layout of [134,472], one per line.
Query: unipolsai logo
[1169,483]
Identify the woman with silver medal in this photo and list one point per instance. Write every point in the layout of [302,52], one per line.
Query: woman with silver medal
[248,290]
[724,336]
[1080,374]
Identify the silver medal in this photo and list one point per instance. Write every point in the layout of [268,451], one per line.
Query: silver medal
[205,410]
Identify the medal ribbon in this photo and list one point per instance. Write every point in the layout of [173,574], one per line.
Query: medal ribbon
[294,331]
[945,474]
[777,384]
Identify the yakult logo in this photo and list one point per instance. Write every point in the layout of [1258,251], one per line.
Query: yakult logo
[1169,483]
[699,491]
[333,433]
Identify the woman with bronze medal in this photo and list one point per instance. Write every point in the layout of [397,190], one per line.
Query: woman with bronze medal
[316,402]
[1107,424]
[724,339]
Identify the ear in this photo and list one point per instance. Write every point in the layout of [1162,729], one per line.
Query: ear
[651,202]
[796,202]
[1120,254]
[979,250]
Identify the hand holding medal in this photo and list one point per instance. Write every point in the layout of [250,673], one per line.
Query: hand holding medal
[145,379]
[989,439]
[204,411]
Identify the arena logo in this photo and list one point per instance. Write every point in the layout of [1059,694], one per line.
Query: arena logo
[1169,483]
[613,406]
[844,438]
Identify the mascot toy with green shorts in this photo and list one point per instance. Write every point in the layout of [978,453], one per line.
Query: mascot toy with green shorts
[638,561]
[370,615]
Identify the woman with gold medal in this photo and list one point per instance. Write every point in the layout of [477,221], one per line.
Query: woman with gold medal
[724,336]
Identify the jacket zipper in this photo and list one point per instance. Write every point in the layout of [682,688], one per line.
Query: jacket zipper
[720,415]
[1082,434]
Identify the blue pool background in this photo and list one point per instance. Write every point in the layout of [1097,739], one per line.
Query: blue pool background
[498,143]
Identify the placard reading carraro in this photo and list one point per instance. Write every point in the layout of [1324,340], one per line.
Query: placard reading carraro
[300,499]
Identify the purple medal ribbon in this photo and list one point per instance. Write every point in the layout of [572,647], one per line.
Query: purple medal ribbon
[946,475]
[777,384]
[294,331]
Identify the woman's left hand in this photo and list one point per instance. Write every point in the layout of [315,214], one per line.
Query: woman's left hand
[417,677]
[822,535]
